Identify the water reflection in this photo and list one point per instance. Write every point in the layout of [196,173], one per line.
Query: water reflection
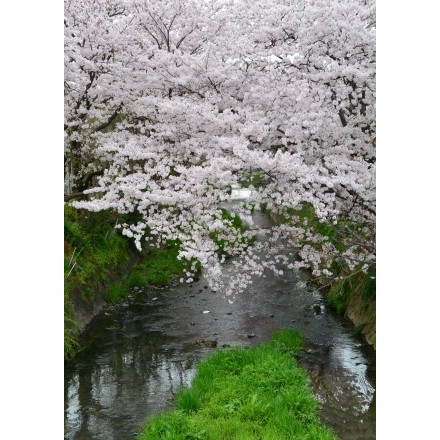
[107,403]
[73,413]
[350,359]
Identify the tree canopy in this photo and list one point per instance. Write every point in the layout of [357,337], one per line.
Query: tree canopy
[168,104]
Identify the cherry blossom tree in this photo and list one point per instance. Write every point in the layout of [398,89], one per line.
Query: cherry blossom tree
[99,50]
[169,103]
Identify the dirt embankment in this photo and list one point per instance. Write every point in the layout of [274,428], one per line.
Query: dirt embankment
[84,308]
[362,312]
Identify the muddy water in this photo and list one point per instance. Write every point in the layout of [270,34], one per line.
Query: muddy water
[140,352]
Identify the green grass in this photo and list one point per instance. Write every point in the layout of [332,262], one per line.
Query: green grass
[369,286]
[93,244]
[159,268]
[93,251]
[116,292]
[341,292]
[71,344]
[256,393]
[339,296]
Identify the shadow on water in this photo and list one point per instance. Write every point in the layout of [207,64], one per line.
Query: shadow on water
[140,352]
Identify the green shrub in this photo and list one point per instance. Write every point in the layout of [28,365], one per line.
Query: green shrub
[256,179]
[71,343]
[136,278]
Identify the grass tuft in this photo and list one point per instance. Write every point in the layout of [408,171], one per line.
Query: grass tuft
[159,268]
[247,394]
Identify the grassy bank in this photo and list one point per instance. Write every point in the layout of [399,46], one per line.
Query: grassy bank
[93,254]
[355,297]
[350,292]
[256,393]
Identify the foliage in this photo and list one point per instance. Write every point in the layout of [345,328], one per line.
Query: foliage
[93,250]
[342,291]
[168,104]
[288,341]
[71,342]
[369,286]
[115,292]
[339,296]
[245,394]
[253,179]
[160,267]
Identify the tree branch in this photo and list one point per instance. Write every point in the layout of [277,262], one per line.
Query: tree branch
[110,120]
[73,196]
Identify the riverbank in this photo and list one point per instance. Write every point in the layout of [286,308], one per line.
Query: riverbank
[95,256]
[355,298]
[350,292]
[101,266]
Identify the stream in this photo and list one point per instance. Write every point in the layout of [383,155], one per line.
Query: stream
[141,351]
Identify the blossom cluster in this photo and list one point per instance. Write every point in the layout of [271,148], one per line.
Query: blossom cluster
[168,104]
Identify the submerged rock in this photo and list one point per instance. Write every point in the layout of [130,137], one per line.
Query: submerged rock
[208,342]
